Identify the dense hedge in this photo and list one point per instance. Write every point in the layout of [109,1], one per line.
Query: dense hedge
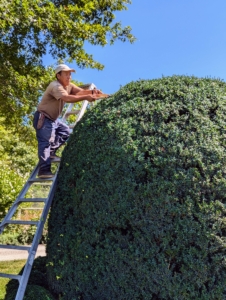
[139,212]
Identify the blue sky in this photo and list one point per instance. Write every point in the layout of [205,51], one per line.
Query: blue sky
[174,37]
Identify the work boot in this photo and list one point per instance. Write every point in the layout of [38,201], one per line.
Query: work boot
[45,174]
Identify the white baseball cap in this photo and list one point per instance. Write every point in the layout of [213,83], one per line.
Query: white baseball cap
[63,67]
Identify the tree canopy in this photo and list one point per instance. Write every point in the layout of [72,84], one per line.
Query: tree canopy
[31,29]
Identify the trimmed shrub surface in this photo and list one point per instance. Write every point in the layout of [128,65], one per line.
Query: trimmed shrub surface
[139,212]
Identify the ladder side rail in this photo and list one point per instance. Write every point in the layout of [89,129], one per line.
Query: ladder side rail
[69,108]
[82,111]
[85,104]
[14,206]
[27,270]
[44,215]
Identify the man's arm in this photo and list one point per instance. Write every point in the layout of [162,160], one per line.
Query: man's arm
[79,91]
[78,94]
[75,89]
[78,98]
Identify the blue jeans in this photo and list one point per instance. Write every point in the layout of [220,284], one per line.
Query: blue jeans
[50,137]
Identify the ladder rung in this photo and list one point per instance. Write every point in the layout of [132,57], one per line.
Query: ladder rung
[32,200]
[53,161]
[73,112]
[22,222]
[45,183]
[15,247]
[12,276]
[41,179]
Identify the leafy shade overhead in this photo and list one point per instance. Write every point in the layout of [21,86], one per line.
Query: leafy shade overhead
[31,29]
[19,92]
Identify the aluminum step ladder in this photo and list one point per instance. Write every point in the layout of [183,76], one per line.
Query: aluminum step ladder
[33,179]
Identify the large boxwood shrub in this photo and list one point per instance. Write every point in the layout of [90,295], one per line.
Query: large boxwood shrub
[139,212]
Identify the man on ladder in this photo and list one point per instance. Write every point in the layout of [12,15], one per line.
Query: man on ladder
[50,132]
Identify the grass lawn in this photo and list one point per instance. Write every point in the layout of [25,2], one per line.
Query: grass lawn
[10,267]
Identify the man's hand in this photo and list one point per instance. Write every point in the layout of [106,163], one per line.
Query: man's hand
[88,92]
[95,91]
[92,98]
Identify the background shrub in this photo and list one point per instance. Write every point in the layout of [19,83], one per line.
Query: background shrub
[139,212]
[37,287]
[33,292]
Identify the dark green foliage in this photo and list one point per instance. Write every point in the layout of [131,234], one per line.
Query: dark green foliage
[139,212]
[37,287]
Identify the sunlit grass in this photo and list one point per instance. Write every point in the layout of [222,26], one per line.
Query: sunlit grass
[9,267]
